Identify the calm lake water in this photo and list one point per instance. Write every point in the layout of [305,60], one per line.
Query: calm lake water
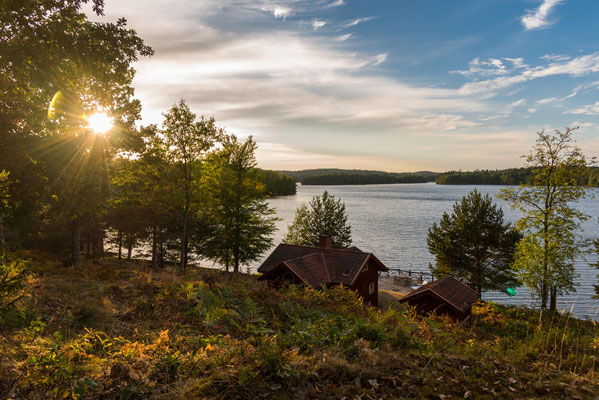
[392,221]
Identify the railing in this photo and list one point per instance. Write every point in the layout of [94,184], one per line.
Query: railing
[409,277]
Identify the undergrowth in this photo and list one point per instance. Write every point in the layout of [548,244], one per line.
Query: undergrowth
[116,330]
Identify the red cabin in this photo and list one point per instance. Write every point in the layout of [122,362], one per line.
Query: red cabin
[324,265]
[445,296]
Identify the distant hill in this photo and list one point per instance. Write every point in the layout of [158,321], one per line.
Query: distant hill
[336,176]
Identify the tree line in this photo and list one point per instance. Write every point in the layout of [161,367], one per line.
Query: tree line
[511,176]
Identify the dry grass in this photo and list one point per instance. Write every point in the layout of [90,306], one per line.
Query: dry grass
[118,330]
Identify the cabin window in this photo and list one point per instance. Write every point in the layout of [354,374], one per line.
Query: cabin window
[346,272]
[365,268]
[371,288]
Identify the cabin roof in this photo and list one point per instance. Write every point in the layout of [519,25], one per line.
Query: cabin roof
[317,265]
[450,290]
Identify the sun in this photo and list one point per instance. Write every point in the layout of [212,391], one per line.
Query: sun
[99,122]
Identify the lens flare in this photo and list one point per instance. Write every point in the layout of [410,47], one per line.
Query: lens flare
[99,122]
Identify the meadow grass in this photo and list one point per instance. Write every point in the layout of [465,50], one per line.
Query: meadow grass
[117,329]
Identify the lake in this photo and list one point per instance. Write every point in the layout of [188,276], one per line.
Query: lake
[392,221]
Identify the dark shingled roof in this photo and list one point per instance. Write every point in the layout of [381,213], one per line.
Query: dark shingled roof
[450,290]
[317,265]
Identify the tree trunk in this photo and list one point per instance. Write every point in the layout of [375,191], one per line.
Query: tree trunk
[129,251]
[161,254]
[544,295]
[183,263]
[120,239]
[154,246]
[553,302]
[76,241]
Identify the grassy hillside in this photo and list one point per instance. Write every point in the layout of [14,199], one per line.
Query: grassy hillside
[116,330]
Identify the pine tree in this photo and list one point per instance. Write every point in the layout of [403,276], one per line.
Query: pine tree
[474,244]
[325,216]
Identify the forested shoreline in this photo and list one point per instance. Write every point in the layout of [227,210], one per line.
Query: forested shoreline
[336,176]
[510,176]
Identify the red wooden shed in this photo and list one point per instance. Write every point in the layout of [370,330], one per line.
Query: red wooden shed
[445,296]
[324,265]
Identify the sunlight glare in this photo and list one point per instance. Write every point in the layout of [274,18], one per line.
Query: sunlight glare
[99,122]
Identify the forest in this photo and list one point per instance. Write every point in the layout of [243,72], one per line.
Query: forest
[510,176]
[335,176]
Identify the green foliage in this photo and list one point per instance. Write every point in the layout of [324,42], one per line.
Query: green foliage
[240,219]
[277,183]
[55,55]
[187,140]
[12,277]
[510,176]
[550,223]
[326,216]
[475,244]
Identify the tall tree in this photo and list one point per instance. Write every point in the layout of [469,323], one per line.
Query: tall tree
[241,220]
[550,221]
[475,244]
[187,140]
[54,55]
[325,216]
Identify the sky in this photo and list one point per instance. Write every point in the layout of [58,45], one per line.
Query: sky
[392,85]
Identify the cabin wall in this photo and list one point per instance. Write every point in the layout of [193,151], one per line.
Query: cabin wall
[363,281]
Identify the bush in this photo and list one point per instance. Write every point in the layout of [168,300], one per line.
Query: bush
[12,277]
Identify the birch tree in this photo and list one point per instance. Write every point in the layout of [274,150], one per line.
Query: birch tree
[550,221]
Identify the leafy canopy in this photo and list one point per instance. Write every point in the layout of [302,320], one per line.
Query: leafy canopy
[242,222]
[550,221]
[324,216]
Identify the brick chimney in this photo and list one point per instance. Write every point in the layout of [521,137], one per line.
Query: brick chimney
[325,241]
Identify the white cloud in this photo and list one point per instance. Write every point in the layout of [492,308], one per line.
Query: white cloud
[317,24]
[356,21]
[539,18]
[532,110]
[381,58]
[490,67]
[336,3]
[343,38]
[555,57]
[592,109]
[582,124]
[521,102]
[487,88]
[281,12]
[547,100]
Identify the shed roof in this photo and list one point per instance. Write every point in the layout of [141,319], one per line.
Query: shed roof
[450,290]
[317,265]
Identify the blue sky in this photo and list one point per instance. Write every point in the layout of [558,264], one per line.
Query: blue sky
[380,84]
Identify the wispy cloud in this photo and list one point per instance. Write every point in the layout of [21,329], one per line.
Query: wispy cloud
[487,88]
[356,21]
[381,58]
[555,57]
[547,100]
[518,103]
[317,24]
[491,66]
[336,3]
[539,18]
[592,109]
[343,38]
